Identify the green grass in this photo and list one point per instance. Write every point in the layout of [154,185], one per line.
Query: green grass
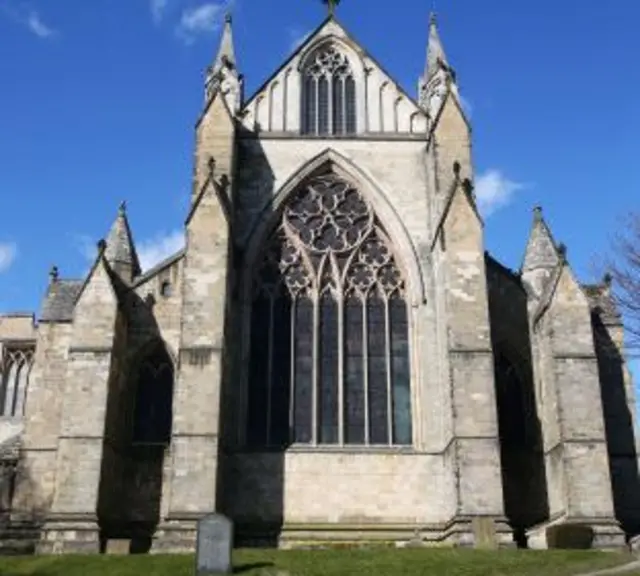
[422,562]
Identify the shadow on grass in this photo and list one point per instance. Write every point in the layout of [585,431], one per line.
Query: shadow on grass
[242,568]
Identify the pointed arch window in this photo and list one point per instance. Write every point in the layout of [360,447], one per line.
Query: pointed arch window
[153,397]
[329,327]
[329,94]
[15,371]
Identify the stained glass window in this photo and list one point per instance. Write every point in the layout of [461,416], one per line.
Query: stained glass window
[329,94]
[329,327]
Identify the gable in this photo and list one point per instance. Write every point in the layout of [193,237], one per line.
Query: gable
[382,106]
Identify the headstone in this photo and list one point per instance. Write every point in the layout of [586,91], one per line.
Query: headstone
[118,547]
[484,533]
[214,545]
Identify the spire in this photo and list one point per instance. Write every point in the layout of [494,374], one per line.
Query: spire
[223,75]
[542,251]
[120,251]
[436,57]
[226,52]
[438,77]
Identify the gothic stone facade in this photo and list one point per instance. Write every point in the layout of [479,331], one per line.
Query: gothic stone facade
[333,356]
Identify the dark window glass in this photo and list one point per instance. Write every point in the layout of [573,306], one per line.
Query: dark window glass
[350,101]
[259,373]
[328,371]
[281,373]
[400,377]
[154,397]
[378,399]
[323,105]
[303,402]
[354,432]
[338,105]
[311,107]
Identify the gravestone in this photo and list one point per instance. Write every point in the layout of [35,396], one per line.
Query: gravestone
[484,533]
[214,545]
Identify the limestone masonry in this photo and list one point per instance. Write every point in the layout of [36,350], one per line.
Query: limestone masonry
[333,357]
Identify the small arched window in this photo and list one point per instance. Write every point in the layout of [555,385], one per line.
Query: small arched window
[329,94]
[153,397]
[15,369]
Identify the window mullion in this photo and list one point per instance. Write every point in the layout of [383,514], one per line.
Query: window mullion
[387,338]
[270,368]
[343,89]
[316,82]
[365,360]
[292,369]
[330,120]
[315,370]
[341,357]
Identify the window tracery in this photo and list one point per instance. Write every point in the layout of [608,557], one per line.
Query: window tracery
[14,380]
[329,327]
[329,94]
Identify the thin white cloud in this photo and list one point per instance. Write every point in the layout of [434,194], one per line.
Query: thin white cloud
[31,20]
[158,8]
[8,253]
[156,249]
[296,38]
[151,251]
[494,191]
[38,27]
[199,20]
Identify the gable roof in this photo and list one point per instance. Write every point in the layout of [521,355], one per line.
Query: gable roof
[310,40]
[60,300]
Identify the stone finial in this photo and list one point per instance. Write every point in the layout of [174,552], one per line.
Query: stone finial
[537,212]
[123,207]
[212,166]
[102,245]
[607,280]
[456,169]
[562,250]
[54,273]
[228,18]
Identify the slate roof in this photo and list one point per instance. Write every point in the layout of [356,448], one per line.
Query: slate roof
[60,300]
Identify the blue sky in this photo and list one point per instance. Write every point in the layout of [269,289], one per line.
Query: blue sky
[99,99]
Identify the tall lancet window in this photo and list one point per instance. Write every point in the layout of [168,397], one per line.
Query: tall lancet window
[15,369]
[329,94]
[329,327]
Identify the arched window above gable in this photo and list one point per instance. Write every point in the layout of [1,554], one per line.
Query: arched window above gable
[329,94]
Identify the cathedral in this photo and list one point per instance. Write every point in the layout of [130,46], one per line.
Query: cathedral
[333,358]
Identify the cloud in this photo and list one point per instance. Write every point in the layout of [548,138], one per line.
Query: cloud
[151,251]
[158,8]
[494,191]
[8,253]
[30,19]
[156,249]
[199,20]
[35,23]
[297,37]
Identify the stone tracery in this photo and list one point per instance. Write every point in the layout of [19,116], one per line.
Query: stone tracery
[329,95]
[329,279]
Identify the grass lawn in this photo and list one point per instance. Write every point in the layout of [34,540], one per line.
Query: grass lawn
[422,562]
